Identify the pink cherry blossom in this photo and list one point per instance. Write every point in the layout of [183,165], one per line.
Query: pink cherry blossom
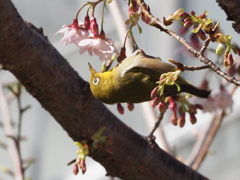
[99,46]
[73,33]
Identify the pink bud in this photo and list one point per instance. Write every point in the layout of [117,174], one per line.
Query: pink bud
[181,121]
[193,119]
[225,63]
[84,169]
[172,105]
[184,15]
[188,24]
[157,100]
[130,106]
[192,13]
[187,19]
[162,107]
[87,22]
[230,59]
[74,24]
[173,119]
[195,41]
[154,92]
[133,7]
[145,19]
[201,34]
[120,108]
[202,16]
[94,26]
[122,55]
[75,169]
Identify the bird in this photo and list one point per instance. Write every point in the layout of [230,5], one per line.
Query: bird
[133,79]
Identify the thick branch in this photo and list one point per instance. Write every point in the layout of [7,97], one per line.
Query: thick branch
[51,80]
[231,9]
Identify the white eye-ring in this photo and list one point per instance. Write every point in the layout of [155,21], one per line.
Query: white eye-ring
[96,81]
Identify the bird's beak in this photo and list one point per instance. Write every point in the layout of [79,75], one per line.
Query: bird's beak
[91,69]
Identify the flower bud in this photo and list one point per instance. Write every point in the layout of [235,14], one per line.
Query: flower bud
[173,119]
[203,15]
[187,19]
[133,7]
[181,121]
[201,34]
[145,19]
[172,104]
[122,55]
[87,22]
[193,119]
[156,100]
[75,169]
[230,59]
[130,106]
[94,26]
[120,108]
[162,107]
[192,13]
[154,92]
[184,15]
[188,24]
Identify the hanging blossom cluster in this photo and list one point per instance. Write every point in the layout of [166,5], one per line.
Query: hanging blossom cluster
[87,37]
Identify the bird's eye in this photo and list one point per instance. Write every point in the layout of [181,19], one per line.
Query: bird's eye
[96,81]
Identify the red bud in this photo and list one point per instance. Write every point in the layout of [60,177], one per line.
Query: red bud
[188,24]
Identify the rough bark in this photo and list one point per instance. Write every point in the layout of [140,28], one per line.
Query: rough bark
[231,9]
[48,77]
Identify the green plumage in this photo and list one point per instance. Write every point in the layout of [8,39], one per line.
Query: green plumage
[134,78]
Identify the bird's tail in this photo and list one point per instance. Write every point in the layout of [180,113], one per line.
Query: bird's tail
[188,88]
[203,93]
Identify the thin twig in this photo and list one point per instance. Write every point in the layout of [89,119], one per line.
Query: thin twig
[188,68]
[160,25]
[150,118]
[12,146]
[157,124]
[205,45]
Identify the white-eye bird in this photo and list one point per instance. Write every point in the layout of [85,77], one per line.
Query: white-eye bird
[134,78]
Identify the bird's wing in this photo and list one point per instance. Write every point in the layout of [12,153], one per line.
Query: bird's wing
[142,61]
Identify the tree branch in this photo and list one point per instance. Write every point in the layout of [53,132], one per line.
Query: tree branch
[233,13]
[160,25]
[48,77]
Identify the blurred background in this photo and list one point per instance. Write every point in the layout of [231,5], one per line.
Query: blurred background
[50,145]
